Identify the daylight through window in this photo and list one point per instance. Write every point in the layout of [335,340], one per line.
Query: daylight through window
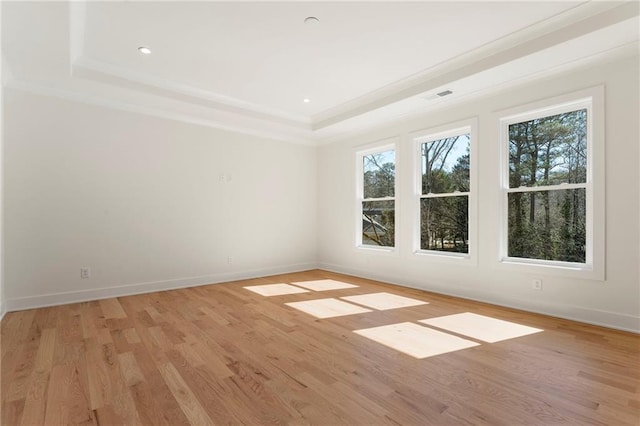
[444,194]
[546,197]
[377,200]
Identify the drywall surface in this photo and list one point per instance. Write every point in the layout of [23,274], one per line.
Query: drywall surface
[145,203]
[614,301]
[2,308]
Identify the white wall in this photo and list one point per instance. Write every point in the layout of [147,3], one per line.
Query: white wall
[140,201]
[2,307]
[614,302]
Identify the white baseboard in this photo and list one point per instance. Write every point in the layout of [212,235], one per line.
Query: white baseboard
[608,319]
[54,299]
[590,316]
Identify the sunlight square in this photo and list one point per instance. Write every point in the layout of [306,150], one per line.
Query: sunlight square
[384,301]
[415,340]
[480,327]
[276,289]
[327,308]
[324,285]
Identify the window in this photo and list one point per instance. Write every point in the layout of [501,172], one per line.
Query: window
[376,198]
[444,192]
[548,191]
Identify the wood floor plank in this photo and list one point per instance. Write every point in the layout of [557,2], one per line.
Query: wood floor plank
[153,398]
[214,395]
[221,354]
[111,308]
[131,336]
[35,402]
[130,370]
[189,404]
[66,401]
[97,375]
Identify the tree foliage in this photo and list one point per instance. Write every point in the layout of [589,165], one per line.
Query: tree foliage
[549,224]
[378,217]
[444,223]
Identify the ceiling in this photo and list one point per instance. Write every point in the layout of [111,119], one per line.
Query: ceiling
[249,66]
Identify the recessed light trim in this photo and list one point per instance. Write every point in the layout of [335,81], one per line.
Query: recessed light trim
[306,100]
[311,20]
[144,50]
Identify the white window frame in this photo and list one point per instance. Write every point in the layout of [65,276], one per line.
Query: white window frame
[380,146]
[464,127]
[593,101]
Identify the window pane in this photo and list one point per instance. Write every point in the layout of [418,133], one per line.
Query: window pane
[444,224]
[549,150]
[445,165]
[379,174]
[549,225]
[378,223]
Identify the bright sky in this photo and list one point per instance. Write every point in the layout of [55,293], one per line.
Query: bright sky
[459,149]
[381,159]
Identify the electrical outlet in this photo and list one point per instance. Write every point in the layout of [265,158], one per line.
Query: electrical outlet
[536,284]
[85,272]
[229,260]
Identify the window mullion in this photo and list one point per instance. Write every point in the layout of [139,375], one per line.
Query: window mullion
[379,199]
[445,194]
[547,187]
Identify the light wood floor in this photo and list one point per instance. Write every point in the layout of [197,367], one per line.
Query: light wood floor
[221,354]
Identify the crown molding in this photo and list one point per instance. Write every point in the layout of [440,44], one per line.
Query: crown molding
[102,72]
[583,20]
[224,121]
[77,19]
[625,51]
[99,83]
[82,66]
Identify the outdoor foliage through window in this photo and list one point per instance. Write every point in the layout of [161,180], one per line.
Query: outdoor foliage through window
[444,199]
[549,153]
[378,207]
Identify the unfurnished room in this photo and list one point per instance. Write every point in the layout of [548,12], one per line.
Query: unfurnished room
[320,213]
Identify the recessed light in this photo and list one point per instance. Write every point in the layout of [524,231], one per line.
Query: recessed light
[310,20]
[306,100]
[144,50]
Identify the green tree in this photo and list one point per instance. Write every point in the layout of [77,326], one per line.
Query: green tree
[548,224]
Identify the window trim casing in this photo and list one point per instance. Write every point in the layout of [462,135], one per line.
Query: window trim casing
[593,100]
[417,138]
[361,152]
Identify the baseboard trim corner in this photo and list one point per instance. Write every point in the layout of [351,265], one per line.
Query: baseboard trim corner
[614,320]
[64,298]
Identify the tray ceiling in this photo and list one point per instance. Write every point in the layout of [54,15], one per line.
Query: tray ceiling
[249,66]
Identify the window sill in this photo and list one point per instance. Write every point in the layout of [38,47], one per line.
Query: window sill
[377,250]
[447,257]
[561,269]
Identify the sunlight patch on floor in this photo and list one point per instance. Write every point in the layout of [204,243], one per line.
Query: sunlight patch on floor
[481,327]
[327,308]
[384,301]
[324,285]
[275,289]
[415,340]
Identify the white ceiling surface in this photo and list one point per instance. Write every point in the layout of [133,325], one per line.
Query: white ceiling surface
[248,66]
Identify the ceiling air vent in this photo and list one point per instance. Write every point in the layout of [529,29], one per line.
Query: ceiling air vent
[445,93]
